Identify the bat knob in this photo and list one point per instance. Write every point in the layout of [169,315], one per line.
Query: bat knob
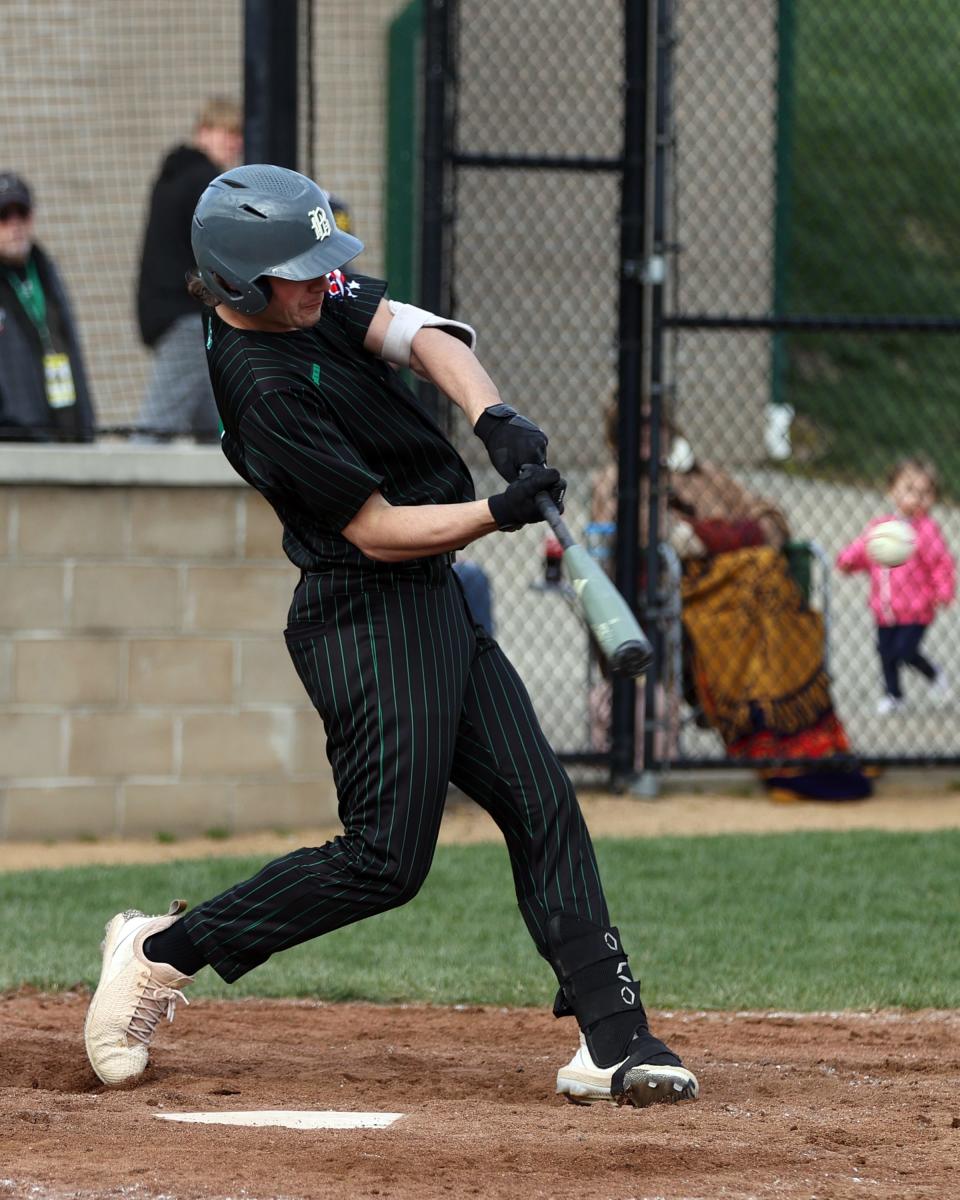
[631,658]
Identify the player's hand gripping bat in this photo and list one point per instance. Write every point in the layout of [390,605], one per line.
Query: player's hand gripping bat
[621,640]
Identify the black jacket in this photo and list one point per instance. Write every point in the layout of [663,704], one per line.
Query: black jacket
[25,414]
[166,255]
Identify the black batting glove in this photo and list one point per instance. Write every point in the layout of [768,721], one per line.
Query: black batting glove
[511,440]
[516,507]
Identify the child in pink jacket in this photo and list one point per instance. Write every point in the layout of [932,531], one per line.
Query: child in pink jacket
[905,599]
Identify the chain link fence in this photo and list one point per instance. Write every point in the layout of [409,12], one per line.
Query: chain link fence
[532,260]
[802,341]
[812,323]
[94,95]
[800,243]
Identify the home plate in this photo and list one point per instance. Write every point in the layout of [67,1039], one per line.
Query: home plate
[289,1118]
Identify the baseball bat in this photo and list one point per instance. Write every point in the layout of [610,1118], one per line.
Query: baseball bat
[608,616]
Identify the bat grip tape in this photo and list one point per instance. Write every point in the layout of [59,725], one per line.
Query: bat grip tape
[551,514]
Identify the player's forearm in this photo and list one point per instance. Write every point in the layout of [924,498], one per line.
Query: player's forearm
[396,533]
[453,367]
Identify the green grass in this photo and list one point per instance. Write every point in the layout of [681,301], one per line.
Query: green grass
[798,921]
[875,228]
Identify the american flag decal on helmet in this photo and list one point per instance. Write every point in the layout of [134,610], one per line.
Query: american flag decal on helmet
[341,288]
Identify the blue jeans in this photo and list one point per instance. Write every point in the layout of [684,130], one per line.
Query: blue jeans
[899,645]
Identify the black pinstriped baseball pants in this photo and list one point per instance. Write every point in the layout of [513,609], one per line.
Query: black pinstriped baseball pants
[413,696]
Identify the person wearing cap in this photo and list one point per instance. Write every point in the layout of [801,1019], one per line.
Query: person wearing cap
[44,395]
[412,692]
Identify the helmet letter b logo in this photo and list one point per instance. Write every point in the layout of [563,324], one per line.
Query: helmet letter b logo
[320,224]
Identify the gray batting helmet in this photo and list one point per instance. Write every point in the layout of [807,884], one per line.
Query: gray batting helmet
[263,220]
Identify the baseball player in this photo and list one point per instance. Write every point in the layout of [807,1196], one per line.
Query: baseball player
[413,695]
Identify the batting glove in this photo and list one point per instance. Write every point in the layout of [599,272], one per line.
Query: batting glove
[511,440]
[516,507]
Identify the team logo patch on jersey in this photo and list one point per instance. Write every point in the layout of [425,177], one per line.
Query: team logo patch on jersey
[341,288]
[320,224]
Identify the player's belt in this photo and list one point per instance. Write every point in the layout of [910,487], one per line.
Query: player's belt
[442,561]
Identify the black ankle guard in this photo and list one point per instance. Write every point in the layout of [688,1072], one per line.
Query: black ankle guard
[596,985]
[593,970]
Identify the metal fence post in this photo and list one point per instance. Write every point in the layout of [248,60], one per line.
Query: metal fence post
[631,389]
[654,278]
[270,32]
[437,134]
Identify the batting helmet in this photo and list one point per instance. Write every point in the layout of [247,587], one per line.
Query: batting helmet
[263,220]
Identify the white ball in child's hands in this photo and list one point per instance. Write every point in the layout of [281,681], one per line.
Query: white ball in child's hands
[890,543]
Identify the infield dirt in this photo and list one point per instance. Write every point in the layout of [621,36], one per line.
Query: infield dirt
[831,1106]
[793,1106]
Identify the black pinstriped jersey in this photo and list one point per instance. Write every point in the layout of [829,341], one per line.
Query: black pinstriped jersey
[316,424]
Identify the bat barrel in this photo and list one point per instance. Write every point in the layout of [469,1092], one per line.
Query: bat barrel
[608,616]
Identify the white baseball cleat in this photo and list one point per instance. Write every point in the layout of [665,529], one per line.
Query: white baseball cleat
[131,997]
[583,1082]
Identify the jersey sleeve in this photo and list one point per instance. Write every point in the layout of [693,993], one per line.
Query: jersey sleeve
[352,302]
[292,446]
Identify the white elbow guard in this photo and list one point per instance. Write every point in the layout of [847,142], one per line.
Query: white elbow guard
[407,322]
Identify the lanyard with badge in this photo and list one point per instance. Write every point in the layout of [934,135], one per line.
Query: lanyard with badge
[57,375]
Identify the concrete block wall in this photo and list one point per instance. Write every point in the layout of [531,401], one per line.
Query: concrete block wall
[144,683]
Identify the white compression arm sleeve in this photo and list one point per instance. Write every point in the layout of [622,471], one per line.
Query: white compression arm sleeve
[407,321]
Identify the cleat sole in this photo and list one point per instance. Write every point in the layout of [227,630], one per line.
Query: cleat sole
[646,1085]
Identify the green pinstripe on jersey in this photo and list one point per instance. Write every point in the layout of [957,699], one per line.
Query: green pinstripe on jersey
[316,424]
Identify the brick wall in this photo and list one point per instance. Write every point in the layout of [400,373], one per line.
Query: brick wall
[144,684]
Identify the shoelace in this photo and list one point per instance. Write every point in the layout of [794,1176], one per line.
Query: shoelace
[153,1004]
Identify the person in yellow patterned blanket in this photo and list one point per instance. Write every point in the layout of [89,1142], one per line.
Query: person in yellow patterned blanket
[753,648]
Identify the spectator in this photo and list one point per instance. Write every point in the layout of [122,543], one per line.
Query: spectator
[477,592]
[753,649]
[904,599]
[44,395]
[179,398]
